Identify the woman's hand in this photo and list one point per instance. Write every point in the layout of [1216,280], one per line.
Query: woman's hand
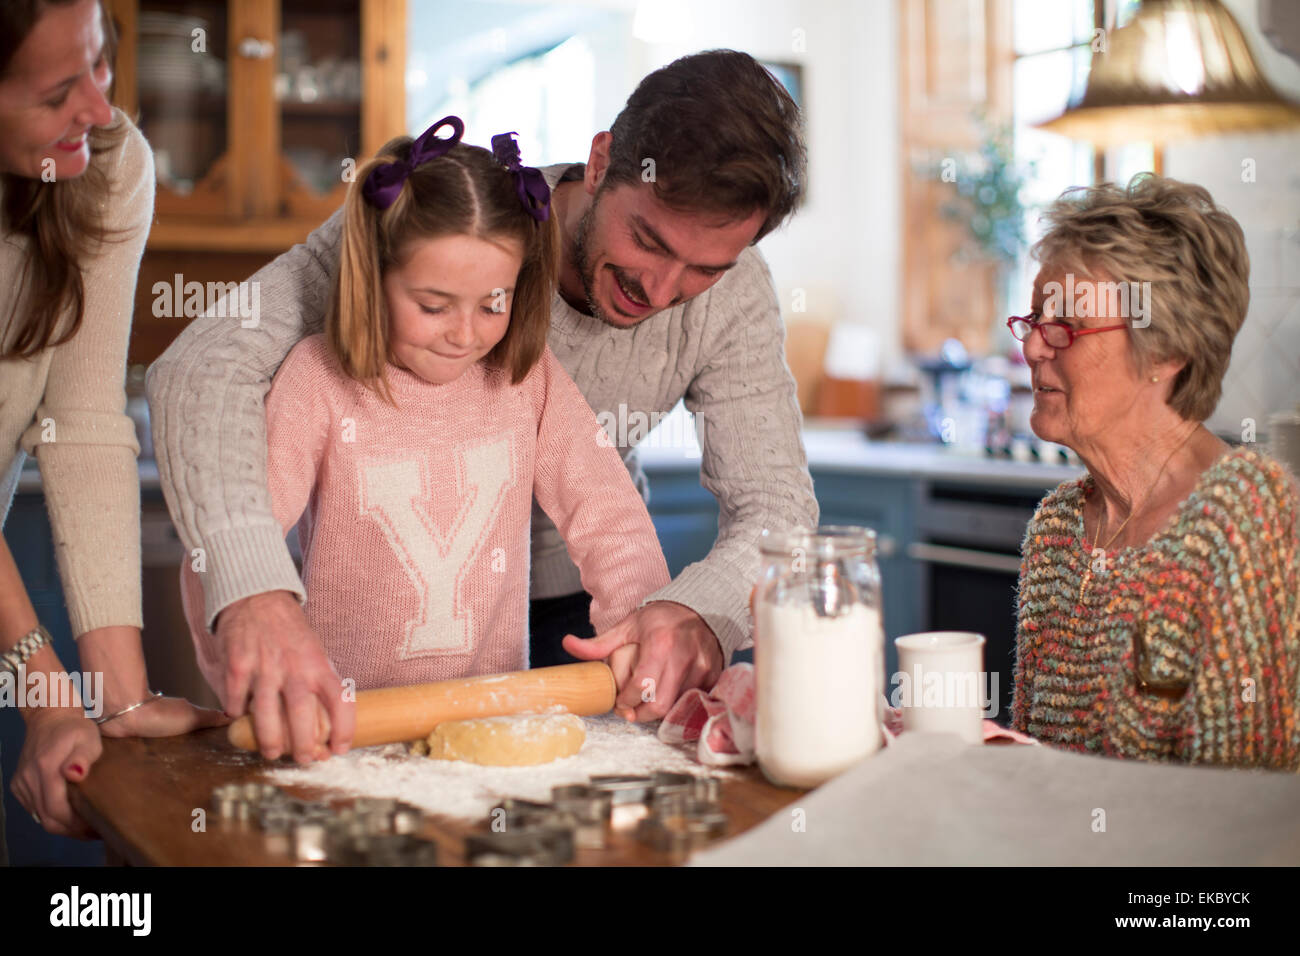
[164,717]
[60,745]
[117,654]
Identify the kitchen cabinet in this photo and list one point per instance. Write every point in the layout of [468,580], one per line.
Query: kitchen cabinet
[257,113]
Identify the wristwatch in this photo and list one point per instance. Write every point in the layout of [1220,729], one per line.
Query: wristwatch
[21,653]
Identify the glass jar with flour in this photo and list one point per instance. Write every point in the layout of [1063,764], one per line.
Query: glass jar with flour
[819,653]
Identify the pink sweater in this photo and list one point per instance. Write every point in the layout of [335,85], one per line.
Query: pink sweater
[415,521]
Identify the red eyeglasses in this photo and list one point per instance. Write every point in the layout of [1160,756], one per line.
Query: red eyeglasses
[1056,335]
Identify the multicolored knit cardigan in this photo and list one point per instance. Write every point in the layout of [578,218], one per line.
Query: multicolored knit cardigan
[1186,649]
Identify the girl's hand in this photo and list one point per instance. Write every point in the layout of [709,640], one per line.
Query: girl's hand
[60,745]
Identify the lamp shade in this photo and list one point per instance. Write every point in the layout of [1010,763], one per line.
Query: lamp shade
[1179,69]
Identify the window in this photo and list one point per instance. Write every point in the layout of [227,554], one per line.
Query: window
[546,98]
[544,70]
[1054,42]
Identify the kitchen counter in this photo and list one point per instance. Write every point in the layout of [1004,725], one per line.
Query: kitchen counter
[849,451]
[179,774]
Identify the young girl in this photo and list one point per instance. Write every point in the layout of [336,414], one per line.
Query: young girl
[411,438]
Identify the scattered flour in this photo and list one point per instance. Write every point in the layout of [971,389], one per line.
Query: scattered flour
[469,791]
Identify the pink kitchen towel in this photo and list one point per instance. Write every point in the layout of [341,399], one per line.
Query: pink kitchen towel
[722,721]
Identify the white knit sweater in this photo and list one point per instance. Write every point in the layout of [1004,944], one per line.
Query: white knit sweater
[66,406]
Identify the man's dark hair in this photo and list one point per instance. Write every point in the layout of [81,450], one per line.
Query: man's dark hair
[724,136]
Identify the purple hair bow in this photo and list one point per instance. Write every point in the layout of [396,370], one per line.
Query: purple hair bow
[530,184]
[384,184]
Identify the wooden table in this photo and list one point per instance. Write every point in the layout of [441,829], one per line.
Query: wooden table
[143,793]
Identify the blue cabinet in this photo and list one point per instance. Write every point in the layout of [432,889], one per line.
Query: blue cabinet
[685,516]
[884,504]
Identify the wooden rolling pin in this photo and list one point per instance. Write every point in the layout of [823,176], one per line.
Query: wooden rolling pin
[394,714]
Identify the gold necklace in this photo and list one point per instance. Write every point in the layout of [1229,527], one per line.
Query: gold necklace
[1087,571]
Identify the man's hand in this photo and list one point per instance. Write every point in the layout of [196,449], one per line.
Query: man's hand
[272,655]
[656,653]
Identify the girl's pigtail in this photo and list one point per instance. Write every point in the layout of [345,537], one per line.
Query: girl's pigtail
[356,325]
[531,309]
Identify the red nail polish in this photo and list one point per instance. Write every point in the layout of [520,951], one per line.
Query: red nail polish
[76,768]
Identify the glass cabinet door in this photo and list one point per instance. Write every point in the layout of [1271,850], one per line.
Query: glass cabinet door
[318,94]
[181,82]
[257,110]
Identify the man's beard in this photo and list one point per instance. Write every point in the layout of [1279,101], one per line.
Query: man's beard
[587,272]
[582,262]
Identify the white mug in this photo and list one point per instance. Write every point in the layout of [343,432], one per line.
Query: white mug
[939,684]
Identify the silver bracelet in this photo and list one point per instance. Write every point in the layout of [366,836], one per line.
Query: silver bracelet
[154,695]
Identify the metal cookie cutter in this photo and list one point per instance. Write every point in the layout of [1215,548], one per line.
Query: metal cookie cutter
[276,823]
[665,782]
[530,846]
[590,811]
[242,801]
[624,789]
[316,810]
[680,822]
[407,819]
[513,814]
[310,840]
[524,816]
[667,835]
[581,810]
[260,793]
[374,816]
[401,849]
[705,821]
[706,788]
[387,849]
[669,804]
[674,793]
[227,801]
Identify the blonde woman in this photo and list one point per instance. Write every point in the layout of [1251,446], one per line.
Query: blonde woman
[77,194]
[1158,594]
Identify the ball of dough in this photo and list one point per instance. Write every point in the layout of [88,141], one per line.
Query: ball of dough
[520,740]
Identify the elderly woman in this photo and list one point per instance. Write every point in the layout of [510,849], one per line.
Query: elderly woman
[76,184]
[1158,594]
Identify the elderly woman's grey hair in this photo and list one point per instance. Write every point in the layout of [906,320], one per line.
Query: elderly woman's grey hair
[1191,251]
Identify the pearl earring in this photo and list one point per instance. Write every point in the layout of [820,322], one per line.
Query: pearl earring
[1155,378]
